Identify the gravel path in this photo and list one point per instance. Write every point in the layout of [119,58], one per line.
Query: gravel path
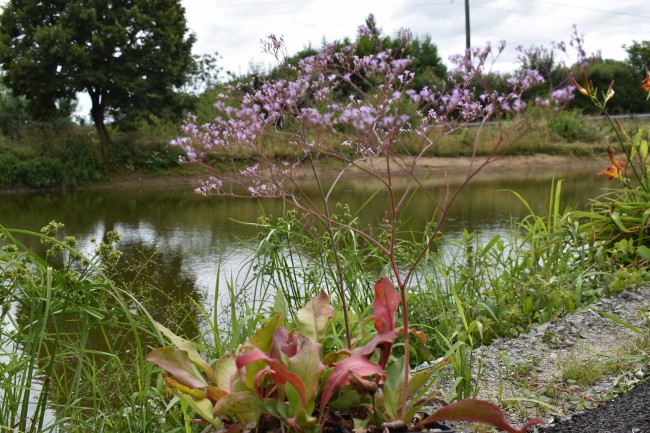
[581,373]
[628,413]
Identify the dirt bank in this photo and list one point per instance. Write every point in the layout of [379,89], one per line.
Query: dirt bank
[427,167]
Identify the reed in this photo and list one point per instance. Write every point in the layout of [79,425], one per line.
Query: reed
[74,342]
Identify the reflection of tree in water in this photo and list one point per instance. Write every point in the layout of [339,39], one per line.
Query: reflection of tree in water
[157,280]
[88,330]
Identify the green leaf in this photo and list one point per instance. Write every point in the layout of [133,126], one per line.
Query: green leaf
[203,408]
[616,218]
[314,317]
[618,320]
[245,406]
[188,347]
[263,337]
[393,388]
[280,305]
[418,380]
[643,149]
[225,371]
[347,400]
[307,365]
[276,407]
[178,363]
[263,340]
[644,252]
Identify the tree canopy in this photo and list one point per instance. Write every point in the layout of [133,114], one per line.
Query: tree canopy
[127,55]
[638,56]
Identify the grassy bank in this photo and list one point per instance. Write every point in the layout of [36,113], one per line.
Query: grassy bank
[55,156]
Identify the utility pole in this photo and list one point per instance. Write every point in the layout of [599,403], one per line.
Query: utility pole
[467,41]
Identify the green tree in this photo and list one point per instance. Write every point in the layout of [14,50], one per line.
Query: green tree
[638,56]
[370,40]
[12,112]
[628,97]
[127,55]
[427,65]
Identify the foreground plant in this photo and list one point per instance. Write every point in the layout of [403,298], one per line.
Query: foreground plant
[621,218]
[282,378]
[66,330]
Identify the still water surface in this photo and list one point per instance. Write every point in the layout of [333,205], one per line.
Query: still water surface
[198,238]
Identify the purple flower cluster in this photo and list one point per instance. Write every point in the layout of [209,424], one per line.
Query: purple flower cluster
[381,109]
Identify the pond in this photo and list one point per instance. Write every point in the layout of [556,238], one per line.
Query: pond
[197,240]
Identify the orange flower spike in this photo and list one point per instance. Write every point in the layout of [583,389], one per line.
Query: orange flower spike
[611,172]
[645,84]
[585,89]
[621,129]
[586,81]
[610,92]
[580,89]
[616,170]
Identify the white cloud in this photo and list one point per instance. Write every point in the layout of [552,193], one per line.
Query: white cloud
[235,28]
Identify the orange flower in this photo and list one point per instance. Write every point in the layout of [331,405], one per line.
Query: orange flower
[586,90]
[616,170]
[645,84]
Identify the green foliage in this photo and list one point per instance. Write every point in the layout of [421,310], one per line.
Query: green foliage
[41,172]
[9,169]
[81,162]
[53,155]
[204,74]
[638,57]
[573,126]
[619,219]
[128,56]
[427,65]
[628,98]
[67,330]
[281,373]
[12,112]
[584,372]
[500,286]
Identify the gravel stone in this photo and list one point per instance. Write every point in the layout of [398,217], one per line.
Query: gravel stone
[524,375]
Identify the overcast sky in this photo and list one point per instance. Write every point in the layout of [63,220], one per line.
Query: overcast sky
[234,28]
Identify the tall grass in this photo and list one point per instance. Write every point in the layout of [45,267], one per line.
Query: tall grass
[467,290]
[73,342]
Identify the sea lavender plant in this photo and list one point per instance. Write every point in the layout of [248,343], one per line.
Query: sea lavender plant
[366,130]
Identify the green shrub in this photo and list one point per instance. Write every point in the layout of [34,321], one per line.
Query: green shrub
[9,173]
[572,126]
[158,158]
[82,162]
[41,173]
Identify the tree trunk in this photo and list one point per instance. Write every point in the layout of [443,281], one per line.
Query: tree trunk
[97,113]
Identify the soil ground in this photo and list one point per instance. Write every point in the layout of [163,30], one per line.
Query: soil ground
[427,166]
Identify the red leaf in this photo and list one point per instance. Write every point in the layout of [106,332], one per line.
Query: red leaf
[382,341]
[339,377]
[284,342]
[385,305]
[378,340]
[278,371]
[477,411]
